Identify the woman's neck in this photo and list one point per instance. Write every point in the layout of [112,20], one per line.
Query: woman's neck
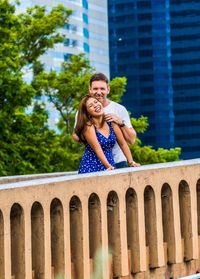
[97,120]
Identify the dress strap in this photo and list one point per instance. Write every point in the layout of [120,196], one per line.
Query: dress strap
[110,125]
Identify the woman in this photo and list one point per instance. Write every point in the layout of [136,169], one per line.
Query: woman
[99,137]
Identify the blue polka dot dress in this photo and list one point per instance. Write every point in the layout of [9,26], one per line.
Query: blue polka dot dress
[90,162]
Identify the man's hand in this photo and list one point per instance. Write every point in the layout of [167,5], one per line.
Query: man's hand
[75,137]
[112,117]
[133,164]
[128,133]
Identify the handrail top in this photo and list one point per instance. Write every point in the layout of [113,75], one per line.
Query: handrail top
[194,276]
[62,176]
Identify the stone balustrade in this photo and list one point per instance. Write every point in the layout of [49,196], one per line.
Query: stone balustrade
[131,223]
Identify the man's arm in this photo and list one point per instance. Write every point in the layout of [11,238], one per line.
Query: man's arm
[75,137]
[128,132]
[124,146]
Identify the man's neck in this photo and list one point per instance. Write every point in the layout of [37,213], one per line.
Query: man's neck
[106,102]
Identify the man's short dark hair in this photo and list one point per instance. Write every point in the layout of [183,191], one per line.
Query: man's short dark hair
[98,77]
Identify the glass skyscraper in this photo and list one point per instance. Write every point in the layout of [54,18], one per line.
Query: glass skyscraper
[185,49]
[86,32]
[155,44]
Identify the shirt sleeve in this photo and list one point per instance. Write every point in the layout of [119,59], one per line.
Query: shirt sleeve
[125,116]
[76,116]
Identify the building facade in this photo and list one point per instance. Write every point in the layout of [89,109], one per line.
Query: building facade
[185,49]
[155,45]
[86,32]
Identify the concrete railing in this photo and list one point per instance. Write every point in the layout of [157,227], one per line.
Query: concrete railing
[147,217]
[19,178]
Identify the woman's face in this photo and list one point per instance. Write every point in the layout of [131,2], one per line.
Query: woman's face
[94,107]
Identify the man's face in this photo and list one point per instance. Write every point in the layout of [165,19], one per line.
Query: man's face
[99,89]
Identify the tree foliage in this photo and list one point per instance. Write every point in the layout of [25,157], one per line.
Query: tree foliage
[65,89]
[27,144]
[25,139]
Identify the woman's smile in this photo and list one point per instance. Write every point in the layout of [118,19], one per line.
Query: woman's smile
[94,106]
[98,109]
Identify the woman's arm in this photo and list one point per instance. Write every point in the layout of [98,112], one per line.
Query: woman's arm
[124,146]
[92,140]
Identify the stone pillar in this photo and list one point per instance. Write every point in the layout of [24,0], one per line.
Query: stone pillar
[7,243]
[123,236]
[28,255]
[67,247]
[86,254]
[47,241]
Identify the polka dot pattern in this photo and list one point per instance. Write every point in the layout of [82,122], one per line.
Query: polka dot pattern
[90,162]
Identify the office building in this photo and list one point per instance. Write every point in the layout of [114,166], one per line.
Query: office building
[155,45]
[86,32]
[185,49]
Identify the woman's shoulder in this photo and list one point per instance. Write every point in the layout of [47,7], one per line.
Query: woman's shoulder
[89,126]
[89,123]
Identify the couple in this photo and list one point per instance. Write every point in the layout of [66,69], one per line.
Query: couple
[103,126]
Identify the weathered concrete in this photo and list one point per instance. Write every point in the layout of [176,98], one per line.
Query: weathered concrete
[148,217]
[18,178]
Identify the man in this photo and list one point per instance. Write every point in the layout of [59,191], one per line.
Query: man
[114,112]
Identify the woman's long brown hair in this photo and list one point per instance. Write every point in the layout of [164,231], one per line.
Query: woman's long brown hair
[83,119]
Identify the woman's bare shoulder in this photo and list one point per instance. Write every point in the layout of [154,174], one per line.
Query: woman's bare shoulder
[89,126]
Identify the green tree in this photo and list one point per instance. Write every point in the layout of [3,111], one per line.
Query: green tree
[25,140]
[65,89]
